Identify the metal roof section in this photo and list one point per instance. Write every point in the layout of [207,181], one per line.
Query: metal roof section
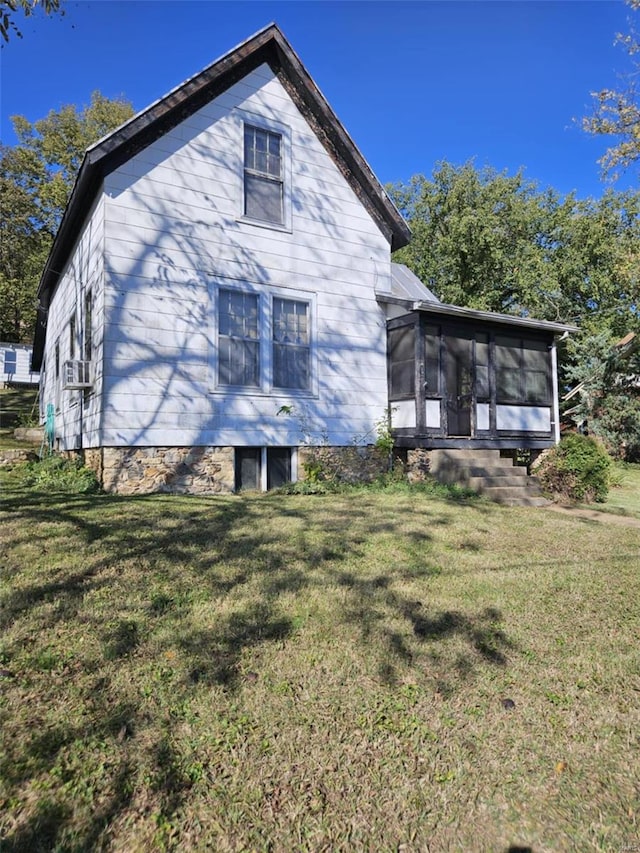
[267,46]
[407,286]
[492,317]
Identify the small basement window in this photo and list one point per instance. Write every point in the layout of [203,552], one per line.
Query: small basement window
[260,468]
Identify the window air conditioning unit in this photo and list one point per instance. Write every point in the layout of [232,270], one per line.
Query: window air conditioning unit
[77,375]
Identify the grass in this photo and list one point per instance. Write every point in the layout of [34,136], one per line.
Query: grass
[369,671]
[624,497]
[15,405]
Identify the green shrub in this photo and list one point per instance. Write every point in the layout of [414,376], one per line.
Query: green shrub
[577,470]
[58,474]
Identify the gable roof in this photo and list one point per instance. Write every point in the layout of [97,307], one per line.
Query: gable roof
[267,46]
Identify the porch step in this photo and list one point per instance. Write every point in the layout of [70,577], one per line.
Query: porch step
[481,482]
[512,496]
[489,474]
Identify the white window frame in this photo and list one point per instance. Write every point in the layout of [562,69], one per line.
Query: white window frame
[265,296]
[242,118]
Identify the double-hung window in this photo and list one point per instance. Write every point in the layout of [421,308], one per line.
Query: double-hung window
[238,338]
[291,344]
[264,341]
[263,175]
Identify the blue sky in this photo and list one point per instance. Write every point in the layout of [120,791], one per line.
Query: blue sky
[413,82]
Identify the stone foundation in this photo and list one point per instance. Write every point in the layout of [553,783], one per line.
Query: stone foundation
[211,470]
[352,464]
[174,470]
[417,465]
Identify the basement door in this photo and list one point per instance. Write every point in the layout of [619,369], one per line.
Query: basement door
[458,375]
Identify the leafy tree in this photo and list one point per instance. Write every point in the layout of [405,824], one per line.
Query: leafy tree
[473,232]
[491,241]
[608,403]
[36,179]
[27,7]
[617,111]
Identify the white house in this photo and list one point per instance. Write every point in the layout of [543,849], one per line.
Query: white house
[15,364]
[226,256]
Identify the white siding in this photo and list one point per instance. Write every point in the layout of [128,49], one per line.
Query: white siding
[15,364]
[77,416]
[174,234]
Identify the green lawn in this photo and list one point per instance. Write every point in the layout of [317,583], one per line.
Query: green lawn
[367,671]
[16,404]
[624,498]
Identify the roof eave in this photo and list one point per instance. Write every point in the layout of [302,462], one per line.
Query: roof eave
[493,317]
[267,46]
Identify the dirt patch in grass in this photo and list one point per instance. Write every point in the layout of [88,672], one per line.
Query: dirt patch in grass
[368,671]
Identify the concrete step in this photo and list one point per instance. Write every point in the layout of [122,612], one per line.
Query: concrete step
[488,473]
[461,453]
[514,496]
[463,474]
[481,482]
[494,471]
[459,456]
[445,462]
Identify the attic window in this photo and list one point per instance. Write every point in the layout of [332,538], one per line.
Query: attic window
[263,182]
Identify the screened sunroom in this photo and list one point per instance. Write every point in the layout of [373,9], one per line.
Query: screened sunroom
[465,378]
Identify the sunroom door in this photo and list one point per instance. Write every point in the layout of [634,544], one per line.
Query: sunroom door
[458,371]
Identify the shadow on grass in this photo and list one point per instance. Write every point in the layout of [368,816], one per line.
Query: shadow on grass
[216,653]
[40,834]
[153,559]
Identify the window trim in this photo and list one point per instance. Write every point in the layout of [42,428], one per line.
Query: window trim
[266,387]
[260,122]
